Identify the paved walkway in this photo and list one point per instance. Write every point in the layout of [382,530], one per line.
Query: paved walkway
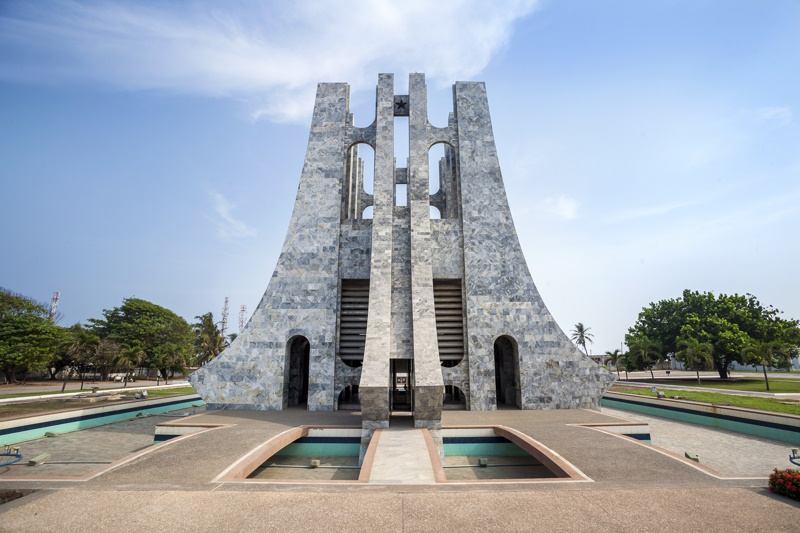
[634,488]
[727,452]
[79,453]
[402,457]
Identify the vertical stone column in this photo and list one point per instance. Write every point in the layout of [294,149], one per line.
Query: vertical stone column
[301,297]
[501,297]
[428,383]
[374,385]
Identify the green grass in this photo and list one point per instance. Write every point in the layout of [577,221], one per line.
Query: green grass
[169,392]
[747,402]
[56,404]
[742,384]
[88,390]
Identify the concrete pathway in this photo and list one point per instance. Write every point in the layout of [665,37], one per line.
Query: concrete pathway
[727,452]
[402,457]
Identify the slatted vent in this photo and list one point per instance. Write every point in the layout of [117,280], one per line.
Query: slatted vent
[353,320]
[448,301]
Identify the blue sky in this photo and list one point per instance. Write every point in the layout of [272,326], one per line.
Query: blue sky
[154,148]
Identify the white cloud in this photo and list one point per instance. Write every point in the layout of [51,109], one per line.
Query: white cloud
[651,210]
[781,116]
[562,207]
[268,55]
[228,227]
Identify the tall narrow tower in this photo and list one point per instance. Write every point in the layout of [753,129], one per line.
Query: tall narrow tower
[224,331]
[401,311]
[54,306]
[242,317]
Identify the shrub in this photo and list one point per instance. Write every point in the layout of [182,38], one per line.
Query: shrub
[785,482]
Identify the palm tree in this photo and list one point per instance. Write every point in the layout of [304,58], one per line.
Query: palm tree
[694,353]
[581,335]
[614,358]
[129,359]
[766,354]
[644,353]
[80,351]
[208,340]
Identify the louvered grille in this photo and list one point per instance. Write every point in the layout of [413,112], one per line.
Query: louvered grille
[448,302]
[353,319]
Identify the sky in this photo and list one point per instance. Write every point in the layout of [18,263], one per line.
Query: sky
[154,149]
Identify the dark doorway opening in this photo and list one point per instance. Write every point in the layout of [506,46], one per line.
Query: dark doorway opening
[299,353]
[453,399]
[349,399]
[402,386]
[506,372]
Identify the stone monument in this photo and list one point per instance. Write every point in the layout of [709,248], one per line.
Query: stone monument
[401,311]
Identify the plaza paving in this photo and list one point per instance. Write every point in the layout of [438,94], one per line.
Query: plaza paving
[175,487]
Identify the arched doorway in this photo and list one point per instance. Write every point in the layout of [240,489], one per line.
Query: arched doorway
[506,372]
[299,350]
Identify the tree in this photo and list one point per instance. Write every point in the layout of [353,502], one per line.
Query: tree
[80,351]
[694,354]
[727,322]
[208,340]
[772,354]
[28,339]
[614,358]
[129,358]
[164,337]
[643,353]
[581,335]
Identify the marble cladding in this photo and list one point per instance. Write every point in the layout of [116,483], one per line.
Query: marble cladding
[428,382]
[374,387]
[301,297]
[401,346]
[401,251]
[501,298]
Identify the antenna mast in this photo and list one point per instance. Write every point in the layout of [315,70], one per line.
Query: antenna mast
[242,316]
[225,318]
[53,306]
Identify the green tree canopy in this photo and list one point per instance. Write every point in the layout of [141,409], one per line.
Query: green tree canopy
[643,354]
[693,353]
[28,339]
[164,337]
[726,322]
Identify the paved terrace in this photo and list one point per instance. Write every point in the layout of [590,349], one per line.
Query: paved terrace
[634,488]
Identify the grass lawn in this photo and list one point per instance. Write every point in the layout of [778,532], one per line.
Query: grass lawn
[88,389]
[34,407]
[743,384]
[747,402]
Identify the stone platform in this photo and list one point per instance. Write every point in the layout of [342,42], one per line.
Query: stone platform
[632,487]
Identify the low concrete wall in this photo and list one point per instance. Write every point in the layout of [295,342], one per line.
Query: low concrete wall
[777,426]
[16,430]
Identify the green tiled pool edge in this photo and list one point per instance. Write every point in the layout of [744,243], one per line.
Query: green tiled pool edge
[75,425]
[757,430]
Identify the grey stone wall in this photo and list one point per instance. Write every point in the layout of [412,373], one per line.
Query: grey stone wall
[401,251]
[428,383]
[501,298]
[374,388]
[301,297]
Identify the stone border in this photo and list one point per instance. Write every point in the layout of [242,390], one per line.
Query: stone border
[563,469]
[766,424]
[242,467]
[128,458]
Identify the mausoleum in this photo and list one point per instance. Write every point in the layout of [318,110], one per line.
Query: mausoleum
[405,310]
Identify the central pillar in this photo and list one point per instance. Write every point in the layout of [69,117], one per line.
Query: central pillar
[428,382]
[375,374]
